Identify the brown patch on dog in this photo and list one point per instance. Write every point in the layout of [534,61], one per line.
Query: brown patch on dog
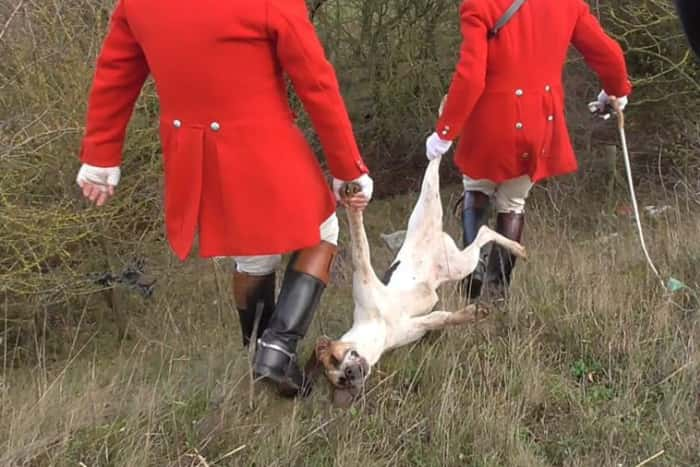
[320,359]
[338,350]
[323,353]
[313,368]
[330,353]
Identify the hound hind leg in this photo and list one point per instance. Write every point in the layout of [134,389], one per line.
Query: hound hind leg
[487,235]
[441,319]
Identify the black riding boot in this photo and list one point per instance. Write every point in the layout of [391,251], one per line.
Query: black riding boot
[304,282]
[474,216]
[501,262]
[248,291]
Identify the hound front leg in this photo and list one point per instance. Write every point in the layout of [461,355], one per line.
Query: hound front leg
[359,246]
[442,319]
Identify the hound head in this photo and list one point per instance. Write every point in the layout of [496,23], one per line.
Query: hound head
[344,368]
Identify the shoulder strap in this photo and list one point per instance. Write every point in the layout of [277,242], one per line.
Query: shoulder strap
[507,16]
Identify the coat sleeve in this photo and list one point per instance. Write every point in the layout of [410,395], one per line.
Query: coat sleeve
[303,59]
[469,79]
[119,76]
[601,53]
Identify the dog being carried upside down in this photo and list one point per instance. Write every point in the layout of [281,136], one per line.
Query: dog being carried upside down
[400,311]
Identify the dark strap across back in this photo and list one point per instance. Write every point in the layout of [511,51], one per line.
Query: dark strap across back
[507,16]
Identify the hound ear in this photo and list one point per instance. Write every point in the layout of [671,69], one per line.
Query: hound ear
[338,349]
[323,353]
[315,364]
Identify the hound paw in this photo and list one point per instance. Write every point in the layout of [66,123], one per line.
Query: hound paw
[520,251]
[482,311]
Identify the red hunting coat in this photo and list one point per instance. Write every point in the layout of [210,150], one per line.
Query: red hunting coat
[507,99]
[236,167]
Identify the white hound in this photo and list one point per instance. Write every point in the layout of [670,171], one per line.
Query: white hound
[400,311]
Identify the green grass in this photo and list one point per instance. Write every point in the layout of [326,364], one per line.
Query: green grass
[591,364]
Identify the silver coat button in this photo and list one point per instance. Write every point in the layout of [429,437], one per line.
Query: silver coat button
[550,118]
[519,126]
[177,123]
[548,88]
[215,126]
[519,92]
[525,155]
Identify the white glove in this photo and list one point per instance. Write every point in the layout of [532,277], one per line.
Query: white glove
[102,177]
[366,186]
[435,146]
[603,103]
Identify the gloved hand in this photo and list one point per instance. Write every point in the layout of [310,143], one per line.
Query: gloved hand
[359,200]
[604,104]
[435,146]
[98,182]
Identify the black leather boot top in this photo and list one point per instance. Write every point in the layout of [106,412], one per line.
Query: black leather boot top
[276,355]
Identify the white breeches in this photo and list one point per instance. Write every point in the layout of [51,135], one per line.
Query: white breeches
[509,196]
[266,264]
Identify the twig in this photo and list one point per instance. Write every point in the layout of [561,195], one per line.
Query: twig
[220,293]
[259,308]
[9,20]
[645,462]
[63,372]
[669,377]
[230,453]
[315,7]
[201,461]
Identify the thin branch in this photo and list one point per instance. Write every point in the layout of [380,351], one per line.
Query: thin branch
[9,20]
[655,456]
[317,4]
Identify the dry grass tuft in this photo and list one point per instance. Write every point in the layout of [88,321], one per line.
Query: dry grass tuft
[590,364]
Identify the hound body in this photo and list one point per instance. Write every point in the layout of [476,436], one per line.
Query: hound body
[391,315]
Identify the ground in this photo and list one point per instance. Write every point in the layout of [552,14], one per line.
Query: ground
[591,363]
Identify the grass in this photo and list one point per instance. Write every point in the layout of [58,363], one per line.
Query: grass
[590,365]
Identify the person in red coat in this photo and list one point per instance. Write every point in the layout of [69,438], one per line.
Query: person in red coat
[238,171]
[506,103]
